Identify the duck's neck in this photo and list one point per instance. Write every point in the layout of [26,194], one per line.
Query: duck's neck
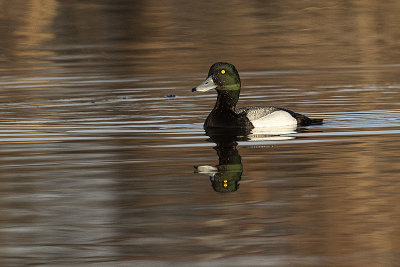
[227,99]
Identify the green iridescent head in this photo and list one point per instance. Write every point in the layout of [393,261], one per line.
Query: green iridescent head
[221,76]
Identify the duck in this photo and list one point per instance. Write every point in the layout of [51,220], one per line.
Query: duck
[224,78]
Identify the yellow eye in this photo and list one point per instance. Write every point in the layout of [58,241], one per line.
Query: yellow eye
[222,71]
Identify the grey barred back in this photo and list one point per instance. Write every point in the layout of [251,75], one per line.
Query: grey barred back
[255,113]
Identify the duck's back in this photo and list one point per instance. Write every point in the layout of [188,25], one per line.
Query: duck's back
[255,113]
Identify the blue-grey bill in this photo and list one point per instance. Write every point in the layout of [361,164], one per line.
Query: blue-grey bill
[207,85]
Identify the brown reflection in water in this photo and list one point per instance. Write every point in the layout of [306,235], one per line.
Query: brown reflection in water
[335,199]
[180,35]
[338,199]
[28,28]
[323,200]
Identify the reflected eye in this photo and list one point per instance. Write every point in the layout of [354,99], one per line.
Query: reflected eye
[223,71]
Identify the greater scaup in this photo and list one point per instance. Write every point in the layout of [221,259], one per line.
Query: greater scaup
[224,78]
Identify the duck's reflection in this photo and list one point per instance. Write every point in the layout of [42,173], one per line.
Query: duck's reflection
[226,175]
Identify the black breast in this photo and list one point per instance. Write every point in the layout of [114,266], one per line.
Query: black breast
[227,119]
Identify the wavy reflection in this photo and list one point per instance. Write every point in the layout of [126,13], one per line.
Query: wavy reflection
[225,176]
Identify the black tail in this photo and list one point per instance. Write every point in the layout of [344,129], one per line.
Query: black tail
[303,120]
[306,121]
[317,121]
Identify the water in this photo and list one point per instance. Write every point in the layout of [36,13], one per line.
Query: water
[98,166]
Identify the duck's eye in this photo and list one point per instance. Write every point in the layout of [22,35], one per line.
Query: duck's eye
[223,71]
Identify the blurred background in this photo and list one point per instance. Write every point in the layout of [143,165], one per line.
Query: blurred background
[96,162]
[180,36]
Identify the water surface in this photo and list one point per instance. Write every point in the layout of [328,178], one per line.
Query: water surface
[97,163]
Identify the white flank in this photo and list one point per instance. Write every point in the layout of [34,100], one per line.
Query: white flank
[277,118]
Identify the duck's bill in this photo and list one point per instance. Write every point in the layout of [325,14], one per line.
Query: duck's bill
[207,85]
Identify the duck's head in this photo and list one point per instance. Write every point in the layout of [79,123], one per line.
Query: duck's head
[222,76]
